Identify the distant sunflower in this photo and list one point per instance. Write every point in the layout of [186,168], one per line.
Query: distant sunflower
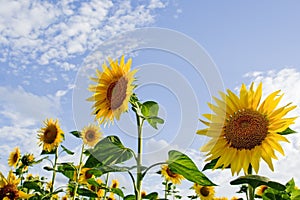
[113,90]
[204,192]
[243,130]
[85,175]
[114,183]
[91,135]
[9,189]
[111,196]
[220,198]
[171,176]
[260,190]
[14,157]
[51,135]
[99,191]
[27,159]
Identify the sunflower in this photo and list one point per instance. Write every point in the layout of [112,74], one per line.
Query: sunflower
[243,129]
[112,91]
[171,176]
[204,192]
[220,198]
[14,157]
[8,188]
[51,135]
[91,135]
[260,190]
[85,175]
[114,183]
[111,196]
[27,159]
[100,192]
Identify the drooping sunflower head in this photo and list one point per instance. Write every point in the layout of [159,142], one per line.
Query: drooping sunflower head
[244,129]
[114,86]
[51,135]
[204,192]
[14,157]
[260,190]
[91,135]
[171,176]
[85,175]
[8,188]
[27,159]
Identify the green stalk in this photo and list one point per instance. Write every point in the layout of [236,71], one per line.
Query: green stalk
[106,185]
[78,172]
[140,122]
[250,188]
[166,189]
[54,170]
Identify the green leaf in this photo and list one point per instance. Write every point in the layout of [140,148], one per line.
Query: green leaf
[67,169]
[76,133]
[130,197]
[181,164]
[118,192]
[153,121]
[150,109]
[92,162]
[212,164]
[290,186]
[151,196]
[67,150]
[86,192]
[287,132]
[256,180]
[106,169]
[109,151]
[32,185]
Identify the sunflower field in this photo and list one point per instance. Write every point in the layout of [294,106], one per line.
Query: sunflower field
[243,130]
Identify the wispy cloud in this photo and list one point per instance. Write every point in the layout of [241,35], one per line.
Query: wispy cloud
[53,32]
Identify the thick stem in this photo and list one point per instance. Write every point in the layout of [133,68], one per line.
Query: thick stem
[78,172]
[139,174]
[54,170]
[250,188]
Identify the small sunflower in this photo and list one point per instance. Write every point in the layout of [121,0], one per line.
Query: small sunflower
[27,159]
[243,129]
[91,135]
[99,191]
[204,192]
[66,197]
[143,194]
[236,198]
[85,175]
[9,189]
[220,198]
[111,196]
[113,90]
[14,157]
[51,135]
[114,183]
[260,190]
[171,176]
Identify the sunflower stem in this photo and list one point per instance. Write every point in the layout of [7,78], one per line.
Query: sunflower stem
[166,189]
[250,188]
[54,171]
[106,185]
[78,172]
[140,122]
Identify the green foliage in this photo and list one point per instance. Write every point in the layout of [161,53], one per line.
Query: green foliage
[76,134]
[290,193]
[256,180]
[149,110]
[287,132]
[181,164]
[109,151]
[67,150]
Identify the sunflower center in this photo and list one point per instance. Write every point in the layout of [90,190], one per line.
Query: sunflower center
[15,157]
[204,191]
[50,134]
[116,93]
[90,135]
[170,173]
[9,191]
[246,129]
[88,175]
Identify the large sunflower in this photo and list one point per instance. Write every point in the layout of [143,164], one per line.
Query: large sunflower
[204,192]
[91,135]
[8,188]
[51,135]
[171,176]
[243,129]
[14,157]
[112,91]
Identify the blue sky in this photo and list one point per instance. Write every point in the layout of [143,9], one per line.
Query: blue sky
[45,44]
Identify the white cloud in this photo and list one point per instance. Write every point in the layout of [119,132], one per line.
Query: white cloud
[46,32]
